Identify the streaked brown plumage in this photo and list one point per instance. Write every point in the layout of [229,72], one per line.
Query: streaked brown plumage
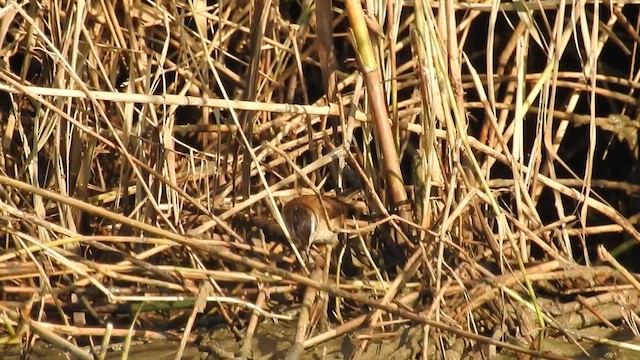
[306,219]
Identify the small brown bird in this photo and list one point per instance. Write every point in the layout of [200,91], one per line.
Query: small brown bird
[313,219]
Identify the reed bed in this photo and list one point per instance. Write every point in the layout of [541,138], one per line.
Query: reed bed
[147,149]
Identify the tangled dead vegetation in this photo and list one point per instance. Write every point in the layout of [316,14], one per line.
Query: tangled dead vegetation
[483,158]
